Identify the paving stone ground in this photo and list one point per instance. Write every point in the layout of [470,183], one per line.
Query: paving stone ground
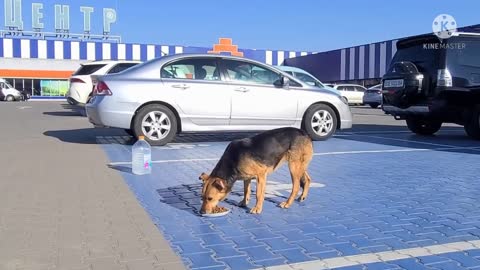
[382,199]
[61,207]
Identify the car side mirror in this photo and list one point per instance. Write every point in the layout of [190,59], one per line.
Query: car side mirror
[282,82]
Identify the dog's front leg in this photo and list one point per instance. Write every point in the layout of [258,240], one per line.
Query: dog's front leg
[246,193]
[261,184]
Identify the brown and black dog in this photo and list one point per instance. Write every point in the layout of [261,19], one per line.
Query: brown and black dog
[255,158]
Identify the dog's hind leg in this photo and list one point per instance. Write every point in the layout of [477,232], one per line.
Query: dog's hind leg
[246,193]
[305,184]
[296,172]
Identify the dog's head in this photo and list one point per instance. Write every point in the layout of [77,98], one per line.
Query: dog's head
[214,190]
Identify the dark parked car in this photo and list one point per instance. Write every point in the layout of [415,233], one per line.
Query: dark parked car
[373,96]
[430,82]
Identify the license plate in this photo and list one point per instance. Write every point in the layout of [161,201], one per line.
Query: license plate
[393,83]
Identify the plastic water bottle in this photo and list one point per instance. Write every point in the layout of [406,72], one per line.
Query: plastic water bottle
[141,157]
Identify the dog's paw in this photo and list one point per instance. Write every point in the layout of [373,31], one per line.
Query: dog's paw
[301,198]
[255,210]
[243,203]
[284,205]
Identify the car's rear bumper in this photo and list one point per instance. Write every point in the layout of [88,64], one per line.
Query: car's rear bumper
[103,113]
[367,99]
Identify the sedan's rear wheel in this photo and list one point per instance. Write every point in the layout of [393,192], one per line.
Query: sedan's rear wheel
[320,122]
[157,123]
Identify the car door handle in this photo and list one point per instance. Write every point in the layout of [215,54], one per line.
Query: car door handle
[242,89]
[181,86]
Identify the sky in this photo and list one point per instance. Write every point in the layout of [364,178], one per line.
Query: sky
[300,25]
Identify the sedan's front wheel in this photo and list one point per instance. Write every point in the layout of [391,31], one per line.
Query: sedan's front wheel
[157,123]
[320,122]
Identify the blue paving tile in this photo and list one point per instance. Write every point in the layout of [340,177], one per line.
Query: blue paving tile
[451,265]
[260,253]
[381,266]
[433,259]
[191,247]
[353,267]
[328,239]
[463,259]
[214,239]
[346,249]
[200,260]
[270,262]
[222,251]
[473,253]
[241,262]
[325,255]
[314,246]
[262,233]
[409,264]
[277,244]
[232,231]
[294,255]
[245,242]
[296,235]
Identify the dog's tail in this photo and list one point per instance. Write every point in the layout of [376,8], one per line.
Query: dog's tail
[305,178]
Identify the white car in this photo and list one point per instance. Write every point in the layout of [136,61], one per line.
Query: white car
[352,92]
[82,81]
[8,93]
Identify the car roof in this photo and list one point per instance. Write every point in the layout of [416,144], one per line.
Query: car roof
[106,62]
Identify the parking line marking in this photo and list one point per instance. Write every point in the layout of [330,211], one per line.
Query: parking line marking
[384,256]
[390,132]
[318,154]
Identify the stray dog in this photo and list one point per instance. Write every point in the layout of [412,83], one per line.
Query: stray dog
[255,158]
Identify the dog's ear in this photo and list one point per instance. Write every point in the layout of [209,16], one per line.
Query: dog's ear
[220,184]
[203,177]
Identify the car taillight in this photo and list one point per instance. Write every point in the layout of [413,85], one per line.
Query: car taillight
[444,78]
[76,80]
[101,89]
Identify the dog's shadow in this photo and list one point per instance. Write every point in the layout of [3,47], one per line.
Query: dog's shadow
[189,197]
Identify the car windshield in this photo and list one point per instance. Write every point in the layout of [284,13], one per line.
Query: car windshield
[426,60]
[88,69]
[308,79]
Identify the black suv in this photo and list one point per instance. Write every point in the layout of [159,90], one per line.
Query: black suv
[430,82]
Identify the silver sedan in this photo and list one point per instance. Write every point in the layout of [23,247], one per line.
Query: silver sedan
[204,92]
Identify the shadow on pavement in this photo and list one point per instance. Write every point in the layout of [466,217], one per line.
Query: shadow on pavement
[448,139]
[92,136]
[64,113]
[125,169]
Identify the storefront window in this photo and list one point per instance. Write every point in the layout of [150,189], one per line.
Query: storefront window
[36,88]
[54,87]
[40,87]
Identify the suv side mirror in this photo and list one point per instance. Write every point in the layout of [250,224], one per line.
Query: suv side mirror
[282,82]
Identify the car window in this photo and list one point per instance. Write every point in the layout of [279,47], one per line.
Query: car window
[195,69]
[308,79]
[248,72]
[88,69]
[2,85]
[121,67]
[360,89]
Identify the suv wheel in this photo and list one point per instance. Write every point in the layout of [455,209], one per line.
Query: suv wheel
[320,122]
[374,105]
[422,126]
[9,98]
[472,127]
[157,123]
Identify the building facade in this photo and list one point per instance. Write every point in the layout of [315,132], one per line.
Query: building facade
[363,64]
[42,67]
